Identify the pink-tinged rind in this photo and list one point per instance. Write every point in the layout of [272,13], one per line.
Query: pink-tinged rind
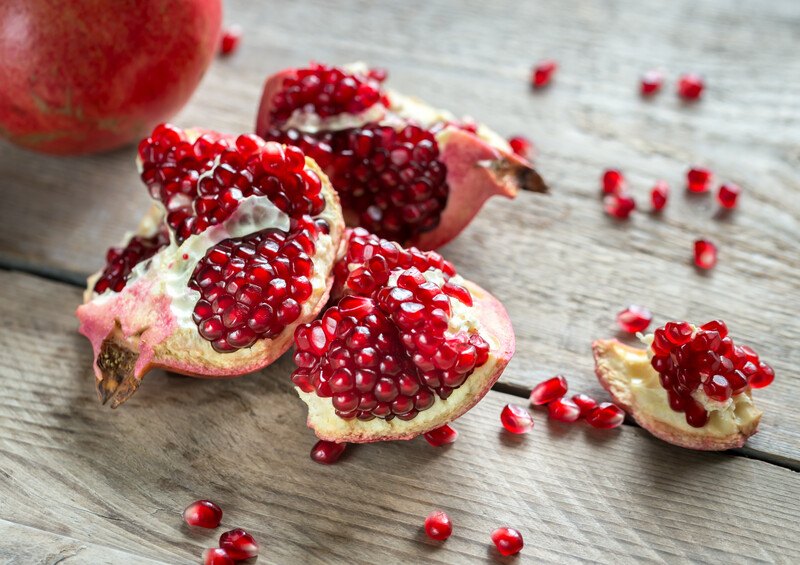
[272,86]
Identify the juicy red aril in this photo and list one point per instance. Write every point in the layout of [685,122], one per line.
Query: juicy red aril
[239,544]
[714,325]
[612,181]
[548,391]
[651,82]
[438,525]
[606,416]
[563,410]
[327,452]
[705,254]
[441,436]
[619,205]
[763,377]
[521,145]
[690,86]
[217,556]
[508,541]
[543,73]
[659,195]
[698,179]
[728,195]
[634,319]
[585,402]
[121,261]
[231,37]
[516,419]
[717,388]
[203,514]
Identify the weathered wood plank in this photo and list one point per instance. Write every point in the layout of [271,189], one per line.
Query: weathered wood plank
[119,479]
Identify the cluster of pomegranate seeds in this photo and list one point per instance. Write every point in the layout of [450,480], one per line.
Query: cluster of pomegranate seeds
[659,195]
[634,319]
[705,254]
[521,146]
[253,287]
[516,419]
[443,435]
[438,525]
[728,195]
[543,73]
[606,416]
[690,86]
[217,556]
[690,359]
[203,514]
[327,452]
[508,541]
[548,391]
[552,393]
[328,91]
[229,42]
[239,544]
[698,179]
[120,261]
[651,82]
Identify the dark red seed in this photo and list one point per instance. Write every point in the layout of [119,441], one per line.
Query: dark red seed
[634,319]
[203,514]
[585,402]
[543,73]
[438,525]
[217,556]
[698,179]
[764,376]
[508,541]
[606,416]
[651,82]
[441,436]
[612,181]
[717,388]
[327,452]
[231,36]
[705,254]
[239,544]
[516,419]
[522,146]
[659,195]
[690,86]
[564,410]
[619,205]
[548,391]
[728,195]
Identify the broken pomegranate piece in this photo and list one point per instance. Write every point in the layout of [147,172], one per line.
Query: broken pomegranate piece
[691,386]
[403,170]
[237,251]
[408,347]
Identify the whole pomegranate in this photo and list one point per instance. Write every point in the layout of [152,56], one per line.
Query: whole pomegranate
[92,75]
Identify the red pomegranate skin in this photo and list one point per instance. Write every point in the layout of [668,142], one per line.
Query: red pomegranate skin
[83,76]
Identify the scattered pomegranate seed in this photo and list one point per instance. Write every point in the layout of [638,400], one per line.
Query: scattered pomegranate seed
[231,37]
[217,556]
[585,402]
[705,254]
[698,179]
[549,390]
[619,205]
[764,376]
[607,415]
[651,82]
[690,86]
[508,541]
[239,544]
[438,525]
[728,195]
[659,195]
[612,181]
[634,319]
[327,452]
[516,419]
[563,410]
[441,436]
[543,73]
[203,514]
[521,146]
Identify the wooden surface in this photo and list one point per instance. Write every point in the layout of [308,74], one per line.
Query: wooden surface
[82,484]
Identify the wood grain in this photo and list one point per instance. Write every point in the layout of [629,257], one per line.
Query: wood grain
[85,484]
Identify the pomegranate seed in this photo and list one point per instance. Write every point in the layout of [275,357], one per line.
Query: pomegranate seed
[239,544]
[619,205]
[121,261]
[698,179]
[612,181]
[607,415]
[231,37]
[548,391]
[543,73]
[764,376]
[659,195]
[728,195]
[651,82]
[521,145]
[508,541]
[441,436]
[717,388]
[690,86]
[327,452]
[585,402]
[564,410]
[516,419]
[438,525]
[705,254]
[217,556]
[203,514]
[634,319]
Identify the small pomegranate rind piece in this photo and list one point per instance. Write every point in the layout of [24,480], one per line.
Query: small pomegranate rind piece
[564,410]
[508,541]
[444,435]
[705,254]
[634,319]
[690,86]
[239,544]
[327,452]
[516,419]
[203,514]
[543,72]
[217,556]
[548,391]
[438,525]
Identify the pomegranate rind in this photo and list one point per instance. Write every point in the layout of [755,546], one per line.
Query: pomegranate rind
[625,372]
[494,326]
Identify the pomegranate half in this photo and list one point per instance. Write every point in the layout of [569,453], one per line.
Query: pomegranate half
[404,170]
[235,253]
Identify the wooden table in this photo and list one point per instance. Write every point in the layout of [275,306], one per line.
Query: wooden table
[83,484]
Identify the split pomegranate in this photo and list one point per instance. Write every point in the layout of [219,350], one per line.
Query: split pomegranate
[698,179]
[516,419]
[705,254]
[543,73]
[634,319]
[548,391]
[619,205]
[585,402]
[408,347]
[438,525]
[659,195]
[612,181]
[217,556]
[651,83]
[229,42]
[203,514]
[239,544]
[728,195]
[690,86]
[690,387]
[403,170]
[327,452]
[216,285]
[606,416]
[441,436]
[508,541]
[564,410]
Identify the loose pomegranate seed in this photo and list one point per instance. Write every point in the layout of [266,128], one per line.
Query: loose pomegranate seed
[217,556]
[438,525]
[441,436]
[606,416]
[564,410]
[690,86]
[203,514]
[327,452]
[763,377]
[651,82]
[634,319]
[728,195]
[659,195]
[543,73]
[231,37]
[239,544]
[612,181]
[705,254]
[516,419]
[121,261]
[698,179]
[548,391]
[521,146]
[585,402]
[619,205]
[508,541]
